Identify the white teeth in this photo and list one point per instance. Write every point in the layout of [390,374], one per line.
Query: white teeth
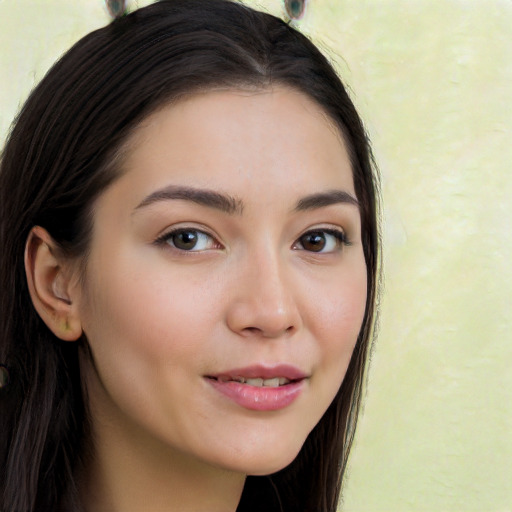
[255,382]
[268,383]
[258,382]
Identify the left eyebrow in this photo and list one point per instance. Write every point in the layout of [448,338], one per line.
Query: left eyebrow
[321,199]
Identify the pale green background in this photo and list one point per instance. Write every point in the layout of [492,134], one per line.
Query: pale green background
[432,79]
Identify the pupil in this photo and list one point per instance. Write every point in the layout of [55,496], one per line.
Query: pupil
[185,240]
[313,242]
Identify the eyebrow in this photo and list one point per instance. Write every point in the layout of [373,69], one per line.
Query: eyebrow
[232,205]
[323,199]
[204,197]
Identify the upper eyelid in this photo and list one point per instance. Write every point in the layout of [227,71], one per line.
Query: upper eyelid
[187,227]
[204,229]
[327,230]
[166,233]
[326,227]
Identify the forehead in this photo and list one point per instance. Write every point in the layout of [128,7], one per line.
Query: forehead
[251,141]
[272,101]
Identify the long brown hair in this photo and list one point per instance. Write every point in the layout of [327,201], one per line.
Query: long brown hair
[61,154]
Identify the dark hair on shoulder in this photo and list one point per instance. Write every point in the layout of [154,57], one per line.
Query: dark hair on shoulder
[63,151]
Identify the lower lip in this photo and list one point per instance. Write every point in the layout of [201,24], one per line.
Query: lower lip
[259,398]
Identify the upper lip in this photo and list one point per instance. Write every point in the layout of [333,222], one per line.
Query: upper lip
[287,371]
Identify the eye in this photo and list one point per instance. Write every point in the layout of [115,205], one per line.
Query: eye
[188,239]
[322,241]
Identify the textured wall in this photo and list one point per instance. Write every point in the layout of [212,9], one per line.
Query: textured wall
[432,79]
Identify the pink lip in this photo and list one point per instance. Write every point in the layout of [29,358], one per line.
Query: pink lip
[264,372]
[260,398]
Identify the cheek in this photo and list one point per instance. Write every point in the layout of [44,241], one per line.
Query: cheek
[338,308]
[336,322]
[147,341]
[140,317]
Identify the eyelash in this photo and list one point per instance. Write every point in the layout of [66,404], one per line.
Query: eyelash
[340,239]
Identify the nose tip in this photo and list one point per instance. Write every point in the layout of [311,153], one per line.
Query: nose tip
[264,305]
[261,320]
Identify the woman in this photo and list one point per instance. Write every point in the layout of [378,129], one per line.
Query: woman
[188,271]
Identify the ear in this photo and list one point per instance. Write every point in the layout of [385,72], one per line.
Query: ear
[51,285]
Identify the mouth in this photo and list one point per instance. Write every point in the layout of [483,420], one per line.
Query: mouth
[258,382]
[261,388]
[262,375]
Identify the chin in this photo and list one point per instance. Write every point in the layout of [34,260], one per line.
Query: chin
[269,469]
[269,461]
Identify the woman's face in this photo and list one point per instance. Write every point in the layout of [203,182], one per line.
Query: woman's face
[229,251]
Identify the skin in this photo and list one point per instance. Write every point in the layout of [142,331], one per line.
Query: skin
[159,319]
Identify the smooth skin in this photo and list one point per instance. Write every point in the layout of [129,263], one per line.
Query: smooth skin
[272,272]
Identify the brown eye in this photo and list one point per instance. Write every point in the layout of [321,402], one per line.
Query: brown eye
[313,241]
[322,241]
[184,240]
[188,239]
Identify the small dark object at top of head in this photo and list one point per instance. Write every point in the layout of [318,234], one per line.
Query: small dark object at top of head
[116,8]
[295,8]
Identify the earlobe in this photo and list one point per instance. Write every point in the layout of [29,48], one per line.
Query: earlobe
[50,286]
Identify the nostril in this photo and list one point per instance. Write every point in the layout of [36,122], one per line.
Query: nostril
[268,333]
[253,330]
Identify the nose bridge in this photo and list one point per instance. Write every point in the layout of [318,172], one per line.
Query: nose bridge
[270,282]
[264,303]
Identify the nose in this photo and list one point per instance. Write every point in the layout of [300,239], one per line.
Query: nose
[264,302]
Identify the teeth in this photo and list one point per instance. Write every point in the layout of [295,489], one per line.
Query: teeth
[271,383]
[268,383]
[255,382]
[258,382]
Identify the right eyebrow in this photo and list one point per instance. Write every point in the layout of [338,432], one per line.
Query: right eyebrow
[204,197]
